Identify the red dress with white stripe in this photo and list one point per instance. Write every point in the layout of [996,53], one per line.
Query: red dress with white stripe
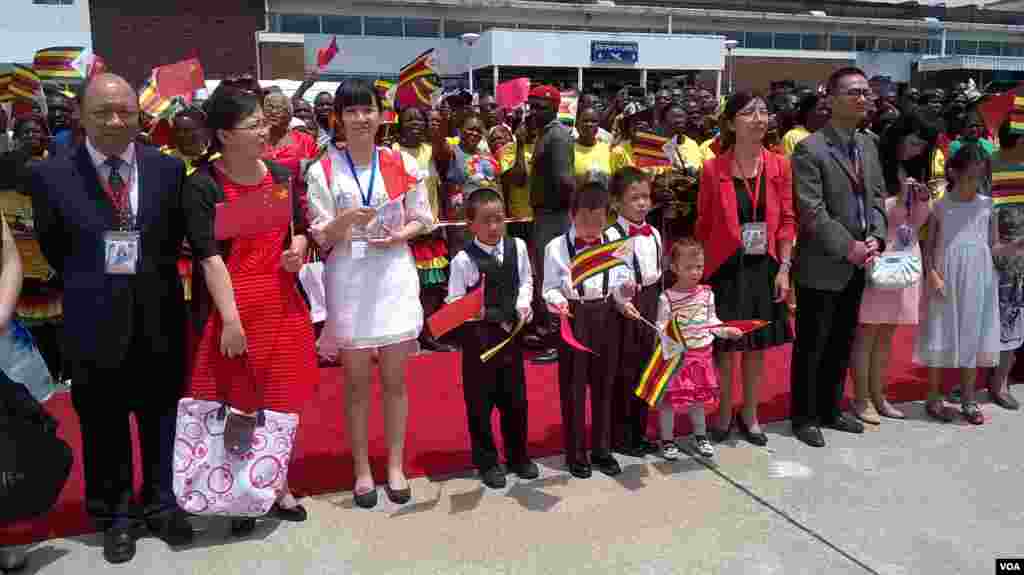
[279,372]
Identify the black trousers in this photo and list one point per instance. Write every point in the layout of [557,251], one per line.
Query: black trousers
[498,383]
[629,412]
[826,327]
[547,225]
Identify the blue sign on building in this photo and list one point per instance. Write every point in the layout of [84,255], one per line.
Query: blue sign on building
[602,52]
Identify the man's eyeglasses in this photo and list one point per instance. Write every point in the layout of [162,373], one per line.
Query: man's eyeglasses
[750,112]
[253,127]
[855,93]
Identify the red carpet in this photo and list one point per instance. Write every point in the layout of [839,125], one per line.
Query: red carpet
[437,442]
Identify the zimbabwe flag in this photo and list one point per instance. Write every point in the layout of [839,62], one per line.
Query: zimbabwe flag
[417,81]
[663,365]
[25,83]
[649,150]
[60,63]
[1007,184]
[599,259]
[150,99]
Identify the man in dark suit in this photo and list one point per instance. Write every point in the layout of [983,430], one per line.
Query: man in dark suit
[838,190]
[123,323]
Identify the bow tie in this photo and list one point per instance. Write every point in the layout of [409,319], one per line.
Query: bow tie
[644,230]
[582,244]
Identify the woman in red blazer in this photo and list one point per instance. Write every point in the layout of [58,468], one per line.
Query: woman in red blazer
[745,219]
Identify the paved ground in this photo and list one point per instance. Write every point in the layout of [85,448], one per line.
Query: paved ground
[912,497]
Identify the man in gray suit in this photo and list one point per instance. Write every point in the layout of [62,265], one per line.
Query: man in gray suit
[837,188]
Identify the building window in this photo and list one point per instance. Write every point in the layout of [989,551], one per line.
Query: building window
[840,43]
[813,42]
[787,41]
[344,25]
[965,47]
[989,48]
[737,36]
[299,24]
[915,45]
[54,2]
[382,26]
[865,44]
[759,40]
[897,44]
[934,46]
[422,27]
[1013,50]
[456,28]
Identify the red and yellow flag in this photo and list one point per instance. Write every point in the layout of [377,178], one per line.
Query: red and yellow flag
[150,99]
[417,81]
[60,63]
[6,77]
[600,259]
[662,366]
[649,150]
[25,82]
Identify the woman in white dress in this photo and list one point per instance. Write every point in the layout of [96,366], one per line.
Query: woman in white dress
[366,203]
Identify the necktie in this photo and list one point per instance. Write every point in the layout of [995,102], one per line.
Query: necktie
[582,244]
[117,189]
[644,230]
[858,172]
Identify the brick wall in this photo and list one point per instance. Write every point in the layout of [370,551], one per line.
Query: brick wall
[134,37]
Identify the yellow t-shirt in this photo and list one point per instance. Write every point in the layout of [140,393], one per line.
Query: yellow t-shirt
[792,138]
[518,196]
[425,159]
[938,165]
[706,151]
[690,153]
[593,163]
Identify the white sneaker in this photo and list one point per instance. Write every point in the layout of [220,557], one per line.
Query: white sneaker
[701,445]
[670,451]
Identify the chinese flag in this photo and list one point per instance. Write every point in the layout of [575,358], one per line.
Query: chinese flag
[181,79]
[513,93]
[325,55]
[458,312]
[995,110]
[253,214]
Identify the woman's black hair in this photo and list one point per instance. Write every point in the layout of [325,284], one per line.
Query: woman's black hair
[805,108]
[191,111]
[227,107]
[736,102]
[918,167]
[356,92]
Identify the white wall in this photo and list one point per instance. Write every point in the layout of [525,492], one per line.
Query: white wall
[27,27]
[376,55]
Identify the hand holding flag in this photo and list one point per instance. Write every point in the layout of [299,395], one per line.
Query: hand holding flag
[457,312]
[649,150]
[325,55]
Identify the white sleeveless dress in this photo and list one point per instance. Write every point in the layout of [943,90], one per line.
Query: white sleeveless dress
[371,301]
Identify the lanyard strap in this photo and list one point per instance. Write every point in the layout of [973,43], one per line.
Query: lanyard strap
[122,202]
[367,197]
[755,195]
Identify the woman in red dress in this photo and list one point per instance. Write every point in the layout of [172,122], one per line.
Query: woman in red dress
[285,146]
[255,350]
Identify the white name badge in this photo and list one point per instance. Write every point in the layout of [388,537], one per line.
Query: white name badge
[755,238]
[359,249]
[121,251]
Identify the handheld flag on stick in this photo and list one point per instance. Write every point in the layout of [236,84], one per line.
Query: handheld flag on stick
[664,363]
[325,55]
[6,77]
[25,83]
[417,81]
[570,339]
[649,150]
[61,63]
[995,109]
[600,258]
[386,94]
[512,93]
[150,99]
[487,355]
[457,312]
[179,79]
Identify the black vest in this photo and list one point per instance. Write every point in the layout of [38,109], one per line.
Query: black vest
[502,286]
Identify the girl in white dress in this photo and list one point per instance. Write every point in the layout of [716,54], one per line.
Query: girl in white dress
[960,324]
[366,203]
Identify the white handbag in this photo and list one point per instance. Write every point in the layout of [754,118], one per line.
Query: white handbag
[895,270]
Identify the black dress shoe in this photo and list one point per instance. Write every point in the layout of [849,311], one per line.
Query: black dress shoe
[526,470]
[549,356]
[1004,400]
[118,545]
[606,463]
[847,424]
[759,439]
[295,514]
[12,559]
[630,450]
[399,496]
[810,434]
[493,477]
[173,528]
[366,500]
[580,470]
[243,527]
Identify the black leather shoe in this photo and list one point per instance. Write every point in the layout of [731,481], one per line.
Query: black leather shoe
[399,496]
[366,500]
[580,470]
[848,424]
[295,514]
[493,477]
[12,559]
[630,450]
[549,356]
[1004,400]
[605,463]
[527,470]
[118,545]
[173,528]
[759,439]
[243,527]
[810,434]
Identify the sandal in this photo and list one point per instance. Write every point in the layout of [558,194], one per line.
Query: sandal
[972,413]
[937,409]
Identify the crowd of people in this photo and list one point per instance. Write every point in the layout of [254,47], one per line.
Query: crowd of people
[830,215]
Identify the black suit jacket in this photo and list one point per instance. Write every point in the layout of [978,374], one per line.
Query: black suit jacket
[105,314]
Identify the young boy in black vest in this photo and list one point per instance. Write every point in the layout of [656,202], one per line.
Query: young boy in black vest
[501,381]
[631,193]
[591,311]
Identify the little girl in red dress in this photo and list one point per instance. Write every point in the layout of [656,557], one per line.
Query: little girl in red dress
[692,305]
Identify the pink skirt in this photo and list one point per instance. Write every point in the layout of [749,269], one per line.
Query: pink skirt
[696,382]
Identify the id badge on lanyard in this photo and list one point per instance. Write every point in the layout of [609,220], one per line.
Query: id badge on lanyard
[359,245]
[755,234]
[122,249]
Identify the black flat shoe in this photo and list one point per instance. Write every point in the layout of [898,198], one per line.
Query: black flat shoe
[493,477]
[847,424]
[758,439]
[13,559]
[295,514]
[606,463]
[580,470]
[173,529]
[118,545]
[1004,400]
[399,496]
[721,435]
[366,500]
[549,356]
[527,470]
[243,527]
[810,434]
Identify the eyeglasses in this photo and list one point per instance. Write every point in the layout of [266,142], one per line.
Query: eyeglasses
[855,93]
[751,112]
[253,127]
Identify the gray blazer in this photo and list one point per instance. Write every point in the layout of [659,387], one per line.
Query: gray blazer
[826,207]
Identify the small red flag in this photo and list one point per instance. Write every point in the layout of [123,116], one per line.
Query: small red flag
[995,110]
[325,55]
[458,312]
[180,79]
[513,93]
[253,214]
